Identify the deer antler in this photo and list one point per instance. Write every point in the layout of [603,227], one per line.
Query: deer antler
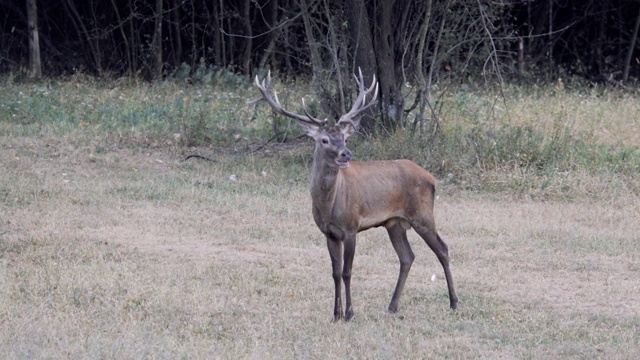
[361,103]
[265,89]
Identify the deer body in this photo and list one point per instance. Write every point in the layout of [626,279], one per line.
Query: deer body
[370,194]
[348,197]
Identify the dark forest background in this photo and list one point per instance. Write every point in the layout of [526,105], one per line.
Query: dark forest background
[402,42]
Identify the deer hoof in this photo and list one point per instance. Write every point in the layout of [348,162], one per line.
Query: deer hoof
[348,316]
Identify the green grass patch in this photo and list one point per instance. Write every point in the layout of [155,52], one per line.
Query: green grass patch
[540,142]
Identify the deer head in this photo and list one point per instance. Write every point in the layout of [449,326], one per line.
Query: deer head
[330,139]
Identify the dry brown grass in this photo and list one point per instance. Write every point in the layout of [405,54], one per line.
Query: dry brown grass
[133,254]
[603,115]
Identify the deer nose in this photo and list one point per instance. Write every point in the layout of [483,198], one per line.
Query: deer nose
[345,155]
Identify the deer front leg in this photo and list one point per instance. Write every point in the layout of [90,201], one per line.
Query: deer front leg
[335,252]
[349,252]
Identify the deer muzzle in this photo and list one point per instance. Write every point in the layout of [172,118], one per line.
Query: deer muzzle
[343,158]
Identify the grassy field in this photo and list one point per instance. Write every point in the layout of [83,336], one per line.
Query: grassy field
[111,246]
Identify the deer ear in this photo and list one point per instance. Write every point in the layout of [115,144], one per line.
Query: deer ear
[350,128]
[309,129]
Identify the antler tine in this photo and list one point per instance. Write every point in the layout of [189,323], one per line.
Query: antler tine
[271,97]
[316,120]
[358,106]
[256,81]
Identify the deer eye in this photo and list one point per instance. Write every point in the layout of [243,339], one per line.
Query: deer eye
[325,140]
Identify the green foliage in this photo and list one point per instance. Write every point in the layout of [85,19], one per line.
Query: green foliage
[209,76]
[545,139]
[482,148]
[212,110]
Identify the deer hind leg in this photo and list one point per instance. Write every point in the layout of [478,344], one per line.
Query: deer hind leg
[398,236]
[431,237]
[335,252]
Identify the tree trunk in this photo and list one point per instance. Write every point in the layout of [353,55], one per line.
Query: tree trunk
[35,63]
[632,46]
[177,39]
[334,46]
[314,54]
[127,48]
[601,42]
[248,38]
[220,35]
[157,42]
[550,72]
[391,97]
[134,39]
[218,46]
[362,50]
[267,56]
[194,49]
[314,51]
[521,64]
[422,81]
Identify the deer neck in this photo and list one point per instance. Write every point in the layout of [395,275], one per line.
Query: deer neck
[326,181]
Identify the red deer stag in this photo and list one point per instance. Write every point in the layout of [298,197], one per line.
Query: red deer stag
[350,196]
